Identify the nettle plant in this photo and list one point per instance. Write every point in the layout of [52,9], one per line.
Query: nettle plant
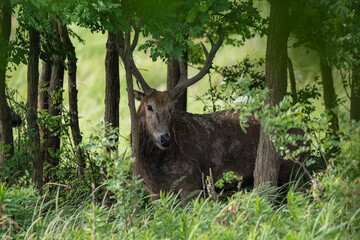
[220,96]
[111,169]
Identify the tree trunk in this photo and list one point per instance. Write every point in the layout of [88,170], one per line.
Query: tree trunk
[329,95]
[268,160]
[55,105]
[173,77]
[52,144]
[134,119]
[292,80]
[73,100]
[6,134]
[355,94]
[44,86]
[125,52]
[32,103]
[44,105]
[112,88]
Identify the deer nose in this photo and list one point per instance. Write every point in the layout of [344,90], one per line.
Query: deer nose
[165,140]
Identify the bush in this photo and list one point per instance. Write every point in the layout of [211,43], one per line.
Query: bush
[16,205]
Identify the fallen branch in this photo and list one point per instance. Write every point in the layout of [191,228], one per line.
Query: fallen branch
[59,184]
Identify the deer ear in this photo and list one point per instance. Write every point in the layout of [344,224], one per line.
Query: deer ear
[139,96]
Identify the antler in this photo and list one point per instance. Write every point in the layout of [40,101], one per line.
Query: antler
[184,81]
[125,50]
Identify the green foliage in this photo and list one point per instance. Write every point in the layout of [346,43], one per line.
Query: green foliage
[288,124]
[329,27]
[100,15]
[20,165]
[221,96]
[15,209]
[173,26]
[307,95]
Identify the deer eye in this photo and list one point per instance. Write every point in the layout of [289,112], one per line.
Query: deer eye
[149,107]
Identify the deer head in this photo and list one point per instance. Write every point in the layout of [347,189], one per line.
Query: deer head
[155,109]
[156,106]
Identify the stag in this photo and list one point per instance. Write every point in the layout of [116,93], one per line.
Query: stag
[182,148]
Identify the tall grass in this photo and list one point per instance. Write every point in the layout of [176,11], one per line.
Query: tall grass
[329,209]
[246,215]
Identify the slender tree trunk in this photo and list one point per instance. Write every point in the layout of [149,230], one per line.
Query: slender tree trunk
[173,77]
[52,144]
[32,103]
[73,99]
[355,81]
[6,133]
[268,160]
[43,104]
[55,105]
[44,86]
[292,80]
[355,94]
[134,119]
[124,50]
[329,95]
[112,88]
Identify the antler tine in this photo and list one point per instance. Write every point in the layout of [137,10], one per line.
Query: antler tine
[136,35]
[210,39]
[204,49]
[136,73]
[125,49]
[183,69]
[184,80]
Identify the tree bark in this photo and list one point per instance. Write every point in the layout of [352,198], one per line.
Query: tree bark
[173,77]
[43,105]
[355,94]
[125,52]
[44,86]
[55,105]
[6,133]
[268,160]
[292,80]
[112,86]
[329,95]
[73,99]
[32,103]
[55,102]
[43,101]
[52,144]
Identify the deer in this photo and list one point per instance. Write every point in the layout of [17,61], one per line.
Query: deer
[177,149]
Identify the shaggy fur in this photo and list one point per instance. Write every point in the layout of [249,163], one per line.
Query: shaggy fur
[200,142]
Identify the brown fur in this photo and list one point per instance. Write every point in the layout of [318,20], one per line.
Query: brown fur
[199,142]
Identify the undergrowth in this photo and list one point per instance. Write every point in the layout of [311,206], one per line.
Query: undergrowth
[330,209]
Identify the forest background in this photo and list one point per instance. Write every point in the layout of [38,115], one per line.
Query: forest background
[85,189]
